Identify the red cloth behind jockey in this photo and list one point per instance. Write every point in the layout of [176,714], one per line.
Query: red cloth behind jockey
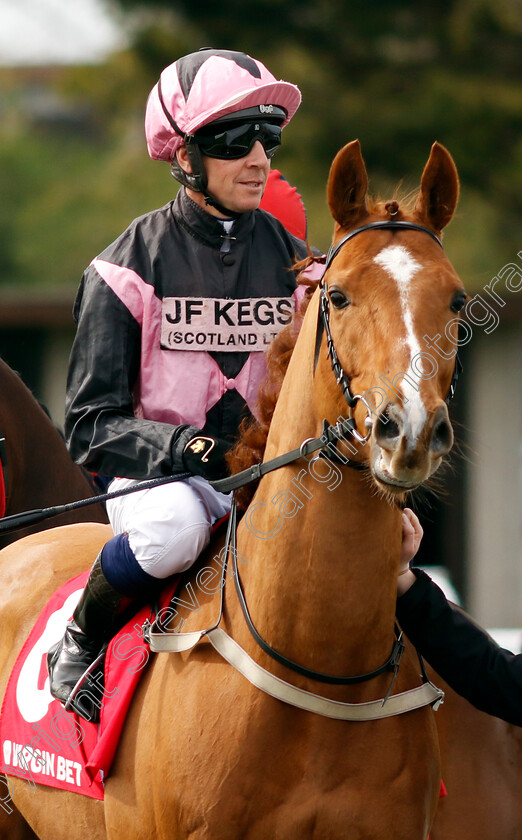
[284,202]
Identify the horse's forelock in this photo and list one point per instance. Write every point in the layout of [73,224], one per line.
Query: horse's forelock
[404,201]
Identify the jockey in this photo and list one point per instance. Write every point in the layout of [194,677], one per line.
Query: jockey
[172,322]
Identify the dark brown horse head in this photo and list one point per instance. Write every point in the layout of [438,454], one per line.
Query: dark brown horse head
[393,300]
[38,469]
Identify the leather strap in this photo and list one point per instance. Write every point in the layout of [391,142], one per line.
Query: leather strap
[323,324]
[330,434]
[235,655]
[426,694]
[391,664]
[384,225]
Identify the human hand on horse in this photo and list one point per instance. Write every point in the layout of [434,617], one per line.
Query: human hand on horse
[201,454]
[412,534]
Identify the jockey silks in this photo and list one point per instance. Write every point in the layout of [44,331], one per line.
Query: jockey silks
[173,321]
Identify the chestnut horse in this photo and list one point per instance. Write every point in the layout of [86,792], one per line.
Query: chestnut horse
[481,759]
[206,754]
[37,472]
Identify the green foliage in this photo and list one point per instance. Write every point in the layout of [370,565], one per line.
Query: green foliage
[397,76]
[71,185]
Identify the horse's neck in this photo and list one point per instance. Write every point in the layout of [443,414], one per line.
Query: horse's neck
[325,579]
[319,557]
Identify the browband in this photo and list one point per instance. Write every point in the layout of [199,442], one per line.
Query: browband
[334,249]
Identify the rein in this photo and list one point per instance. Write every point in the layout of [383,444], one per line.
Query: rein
[329,438]
[162,640]
[236,655]
[426,694]
[257,471]
[391,664]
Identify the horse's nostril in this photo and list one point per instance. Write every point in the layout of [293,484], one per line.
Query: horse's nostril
[442,438]
[386,428]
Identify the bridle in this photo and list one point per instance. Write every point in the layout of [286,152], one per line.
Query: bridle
[217,636]
[323,322]
[330,433]
[342,378]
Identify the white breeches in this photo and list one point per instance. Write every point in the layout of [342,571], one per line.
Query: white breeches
[169,525]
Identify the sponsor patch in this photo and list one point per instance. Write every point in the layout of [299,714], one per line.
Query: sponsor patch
[223,324]
[40,741]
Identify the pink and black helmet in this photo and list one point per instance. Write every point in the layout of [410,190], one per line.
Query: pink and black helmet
[206,86]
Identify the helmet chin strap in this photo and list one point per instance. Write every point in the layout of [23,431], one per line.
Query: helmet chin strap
[197,180]
[213,202]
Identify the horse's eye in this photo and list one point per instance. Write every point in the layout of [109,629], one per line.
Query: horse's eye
[339,299]
[458,300]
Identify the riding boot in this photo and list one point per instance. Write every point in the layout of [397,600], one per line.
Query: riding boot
[100,613]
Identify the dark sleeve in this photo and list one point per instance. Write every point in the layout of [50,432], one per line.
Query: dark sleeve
[101,430]
[460,651]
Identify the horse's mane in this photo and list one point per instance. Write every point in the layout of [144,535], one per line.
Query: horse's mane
[253,431]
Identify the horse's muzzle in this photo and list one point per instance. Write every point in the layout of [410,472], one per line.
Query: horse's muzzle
[406,450]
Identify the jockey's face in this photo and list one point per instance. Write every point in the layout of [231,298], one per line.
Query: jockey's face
[237,184]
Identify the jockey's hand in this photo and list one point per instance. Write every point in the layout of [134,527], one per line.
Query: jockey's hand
[206,456]
[411,539]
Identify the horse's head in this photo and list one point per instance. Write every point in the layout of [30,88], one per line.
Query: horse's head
[392,300]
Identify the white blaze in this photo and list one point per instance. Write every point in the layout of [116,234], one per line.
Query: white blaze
[399,263]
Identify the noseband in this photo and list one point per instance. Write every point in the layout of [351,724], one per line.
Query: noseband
[323,322]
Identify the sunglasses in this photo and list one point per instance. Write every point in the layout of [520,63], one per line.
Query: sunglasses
[237,141]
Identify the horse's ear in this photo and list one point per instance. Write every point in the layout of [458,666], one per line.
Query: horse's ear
[439,189]
[347,185]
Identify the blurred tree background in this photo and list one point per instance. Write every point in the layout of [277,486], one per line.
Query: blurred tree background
[73,164]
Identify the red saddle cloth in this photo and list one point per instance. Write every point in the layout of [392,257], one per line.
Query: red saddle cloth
[43,743]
